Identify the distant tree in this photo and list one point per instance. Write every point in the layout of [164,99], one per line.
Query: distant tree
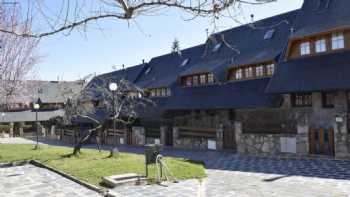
[128,101]
[18,56]
[175,47]
[67,15]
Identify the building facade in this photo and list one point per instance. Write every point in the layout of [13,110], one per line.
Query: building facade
[275,86]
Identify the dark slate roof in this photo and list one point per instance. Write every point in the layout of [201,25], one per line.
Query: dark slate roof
[29,116]
[245,45]
[314,18]
[131,74]
[319,73]
[235,95]
[165,69]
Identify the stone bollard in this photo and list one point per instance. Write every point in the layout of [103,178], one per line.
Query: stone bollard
[11,129]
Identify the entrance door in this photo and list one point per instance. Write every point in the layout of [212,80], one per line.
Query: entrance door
[229,138]
[321,141]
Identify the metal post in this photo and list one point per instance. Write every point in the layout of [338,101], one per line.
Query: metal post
[114,124]
[37,128]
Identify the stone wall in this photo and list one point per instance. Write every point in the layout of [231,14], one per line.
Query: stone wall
[271,144]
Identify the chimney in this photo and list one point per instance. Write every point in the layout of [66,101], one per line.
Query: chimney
[291,31]
[143,61]
[252,18]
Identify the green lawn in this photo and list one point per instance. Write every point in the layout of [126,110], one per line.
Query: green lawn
[91,165]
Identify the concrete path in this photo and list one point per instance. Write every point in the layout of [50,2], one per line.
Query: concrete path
[231,175]
[31,181]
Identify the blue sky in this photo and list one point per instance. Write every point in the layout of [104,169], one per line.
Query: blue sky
[74,56]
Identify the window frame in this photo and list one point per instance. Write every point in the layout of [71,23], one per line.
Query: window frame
[270,69]
[248,72]
[305,48]
[259,71]
[301,100]
[321,45]
[335,40]
[239,74]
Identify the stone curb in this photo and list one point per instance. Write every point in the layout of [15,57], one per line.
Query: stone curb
[309,157]
[70,177]
[103,192]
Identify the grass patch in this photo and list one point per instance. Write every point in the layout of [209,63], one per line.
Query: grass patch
[91,165]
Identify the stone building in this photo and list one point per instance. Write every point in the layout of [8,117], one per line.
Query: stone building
[275,86]
[18,116]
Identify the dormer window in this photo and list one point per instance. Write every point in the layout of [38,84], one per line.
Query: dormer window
[198,80]
[202,79]
[249,72]
[185,62]
[148,70]
[239,74]
[210,78]
[216,47]
[270,69]
[269,34]
[320,45]
[259,70]
[160,92]
[337,40]
[305,48]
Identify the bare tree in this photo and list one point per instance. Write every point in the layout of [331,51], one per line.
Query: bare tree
[18,56]
[67,15]
[98,105]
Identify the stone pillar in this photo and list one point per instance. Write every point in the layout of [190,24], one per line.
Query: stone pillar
[43,130]
[21,134]
[52,132]
[175,136]
[11,129]
[341,137]
[302,139]
[139,137]
[220,137]
[163,132]
[238,133]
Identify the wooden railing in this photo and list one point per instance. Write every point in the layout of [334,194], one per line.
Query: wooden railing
[197,132]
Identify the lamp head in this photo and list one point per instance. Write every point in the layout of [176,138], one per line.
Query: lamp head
[113,86]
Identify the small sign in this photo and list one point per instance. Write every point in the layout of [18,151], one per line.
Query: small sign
[211,144]
[156,141]
[339,119]
[121,140]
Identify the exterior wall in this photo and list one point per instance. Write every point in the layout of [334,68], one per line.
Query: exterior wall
[316,117]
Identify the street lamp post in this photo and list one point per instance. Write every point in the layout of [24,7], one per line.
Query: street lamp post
[113,88]
[36,108]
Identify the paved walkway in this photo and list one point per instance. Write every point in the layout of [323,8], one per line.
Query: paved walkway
[31,181]
[231,175]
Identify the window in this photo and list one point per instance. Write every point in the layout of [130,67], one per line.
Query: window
[337,40]
[320,46]
[185,62]
[239,74]
[270,69]
[153,93]
[160,92]
[259,71]
[189,81]
[210,78]
[305,48]
[164,92]
[302,100]
[249,72]
[217,47]
[195,80]
[269,34]
[202,79]
[328,100]
[168,92]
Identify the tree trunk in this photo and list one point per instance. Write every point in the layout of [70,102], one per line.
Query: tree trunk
[83,140]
